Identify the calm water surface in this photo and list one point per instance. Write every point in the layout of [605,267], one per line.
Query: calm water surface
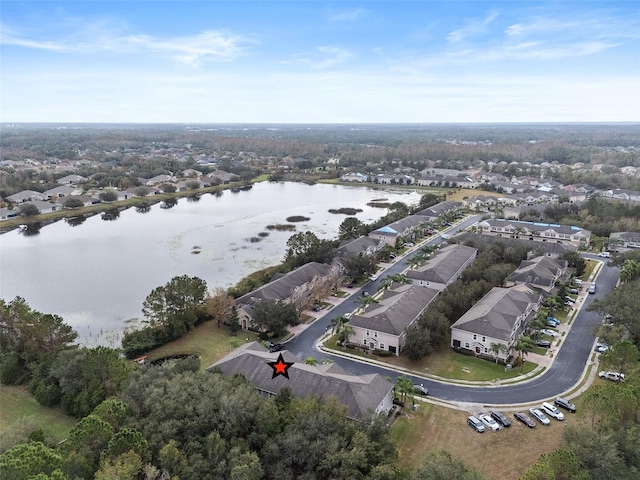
[96,275]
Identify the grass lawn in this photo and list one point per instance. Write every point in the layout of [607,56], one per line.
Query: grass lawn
[504,455]
[207,341]
[590,265]
[17,404]
[447,363]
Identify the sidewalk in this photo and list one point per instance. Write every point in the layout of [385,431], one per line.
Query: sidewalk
[543,361]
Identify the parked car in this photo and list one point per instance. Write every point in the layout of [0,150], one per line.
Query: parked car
[489,422]
[409,245]
[538,415]
[552,321]
[543,343]
[500,418]
[552,411]
[348,315]
[601,347]
[604,254]
[575,291]
[374,277]
[566,404]
[577,281]
[421,389]
[476,424]
[609,375]
[524,418]
[569,299]
[551,333]
[592,288]
[274,347]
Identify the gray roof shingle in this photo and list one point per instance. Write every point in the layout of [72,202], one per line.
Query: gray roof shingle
[360,394]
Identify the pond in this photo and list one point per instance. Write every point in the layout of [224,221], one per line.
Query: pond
[96,273]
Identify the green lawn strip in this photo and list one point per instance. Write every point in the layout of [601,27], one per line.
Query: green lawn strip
[18,405]
[207,341]
[449,364]
[464,367]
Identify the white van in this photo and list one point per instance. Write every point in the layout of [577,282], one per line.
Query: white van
[592,288]
[604,254]
[552,411]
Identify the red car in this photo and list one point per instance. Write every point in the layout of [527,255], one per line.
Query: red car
[524,418]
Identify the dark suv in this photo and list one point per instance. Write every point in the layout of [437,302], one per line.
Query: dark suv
[500,418]
[566,404]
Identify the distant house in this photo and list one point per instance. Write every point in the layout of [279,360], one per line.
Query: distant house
[440,209]
[85,199]
[401,228]
[383,325]
[159,179]
[6,214]
[621,194]
[480,203]
[26,195]
[540,272]
[71,179]
[62,191]
[354,177]
[549,249]
[302,287]
[444,268]
[43,207]
[392,179]
[365,246]
[223,177]
[499,317]
[621,241]
[536,231]
[361,395]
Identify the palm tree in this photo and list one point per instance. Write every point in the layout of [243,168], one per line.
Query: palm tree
[415,260]
[399,278]
[497,348]
[337,322]
[403,386]
[364,301]
[524,345]
[386,283]
[630,270]
[345,332]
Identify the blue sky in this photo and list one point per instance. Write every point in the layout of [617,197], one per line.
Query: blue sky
[319,62]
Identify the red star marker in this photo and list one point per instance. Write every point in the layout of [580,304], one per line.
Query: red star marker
[280,367]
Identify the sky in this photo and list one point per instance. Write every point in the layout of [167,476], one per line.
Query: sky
[300,61]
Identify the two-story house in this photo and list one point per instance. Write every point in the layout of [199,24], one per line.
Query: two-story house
[499,317]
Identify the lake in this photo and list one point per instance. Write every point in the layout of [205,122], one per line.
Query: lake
[97,274]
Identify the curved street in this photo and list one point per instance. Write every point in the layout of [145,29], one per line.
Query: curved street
[564,373]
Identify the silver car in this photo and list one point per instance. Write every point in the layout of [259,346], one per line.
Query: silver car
[538,415]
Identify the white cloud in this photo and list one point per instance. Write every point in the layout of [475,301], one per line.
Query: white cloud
[346,15]
[211,45]
[472,28]
[329,56]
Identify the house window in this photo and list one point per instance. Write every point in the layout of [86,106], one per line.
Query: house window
[382,346]
[368,333]
[375,334]
[466,344]
[484,339]
[485,350]
[475,337]
[364,342]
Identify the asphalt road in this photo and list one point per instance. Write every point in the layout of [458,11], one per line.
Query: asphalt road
[564,373]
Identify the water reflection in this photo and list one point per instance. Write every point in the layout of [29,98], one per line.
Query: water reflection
[75,221]
[193,198]
[169,203]
[31,229]
[111,215]
[143,208]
